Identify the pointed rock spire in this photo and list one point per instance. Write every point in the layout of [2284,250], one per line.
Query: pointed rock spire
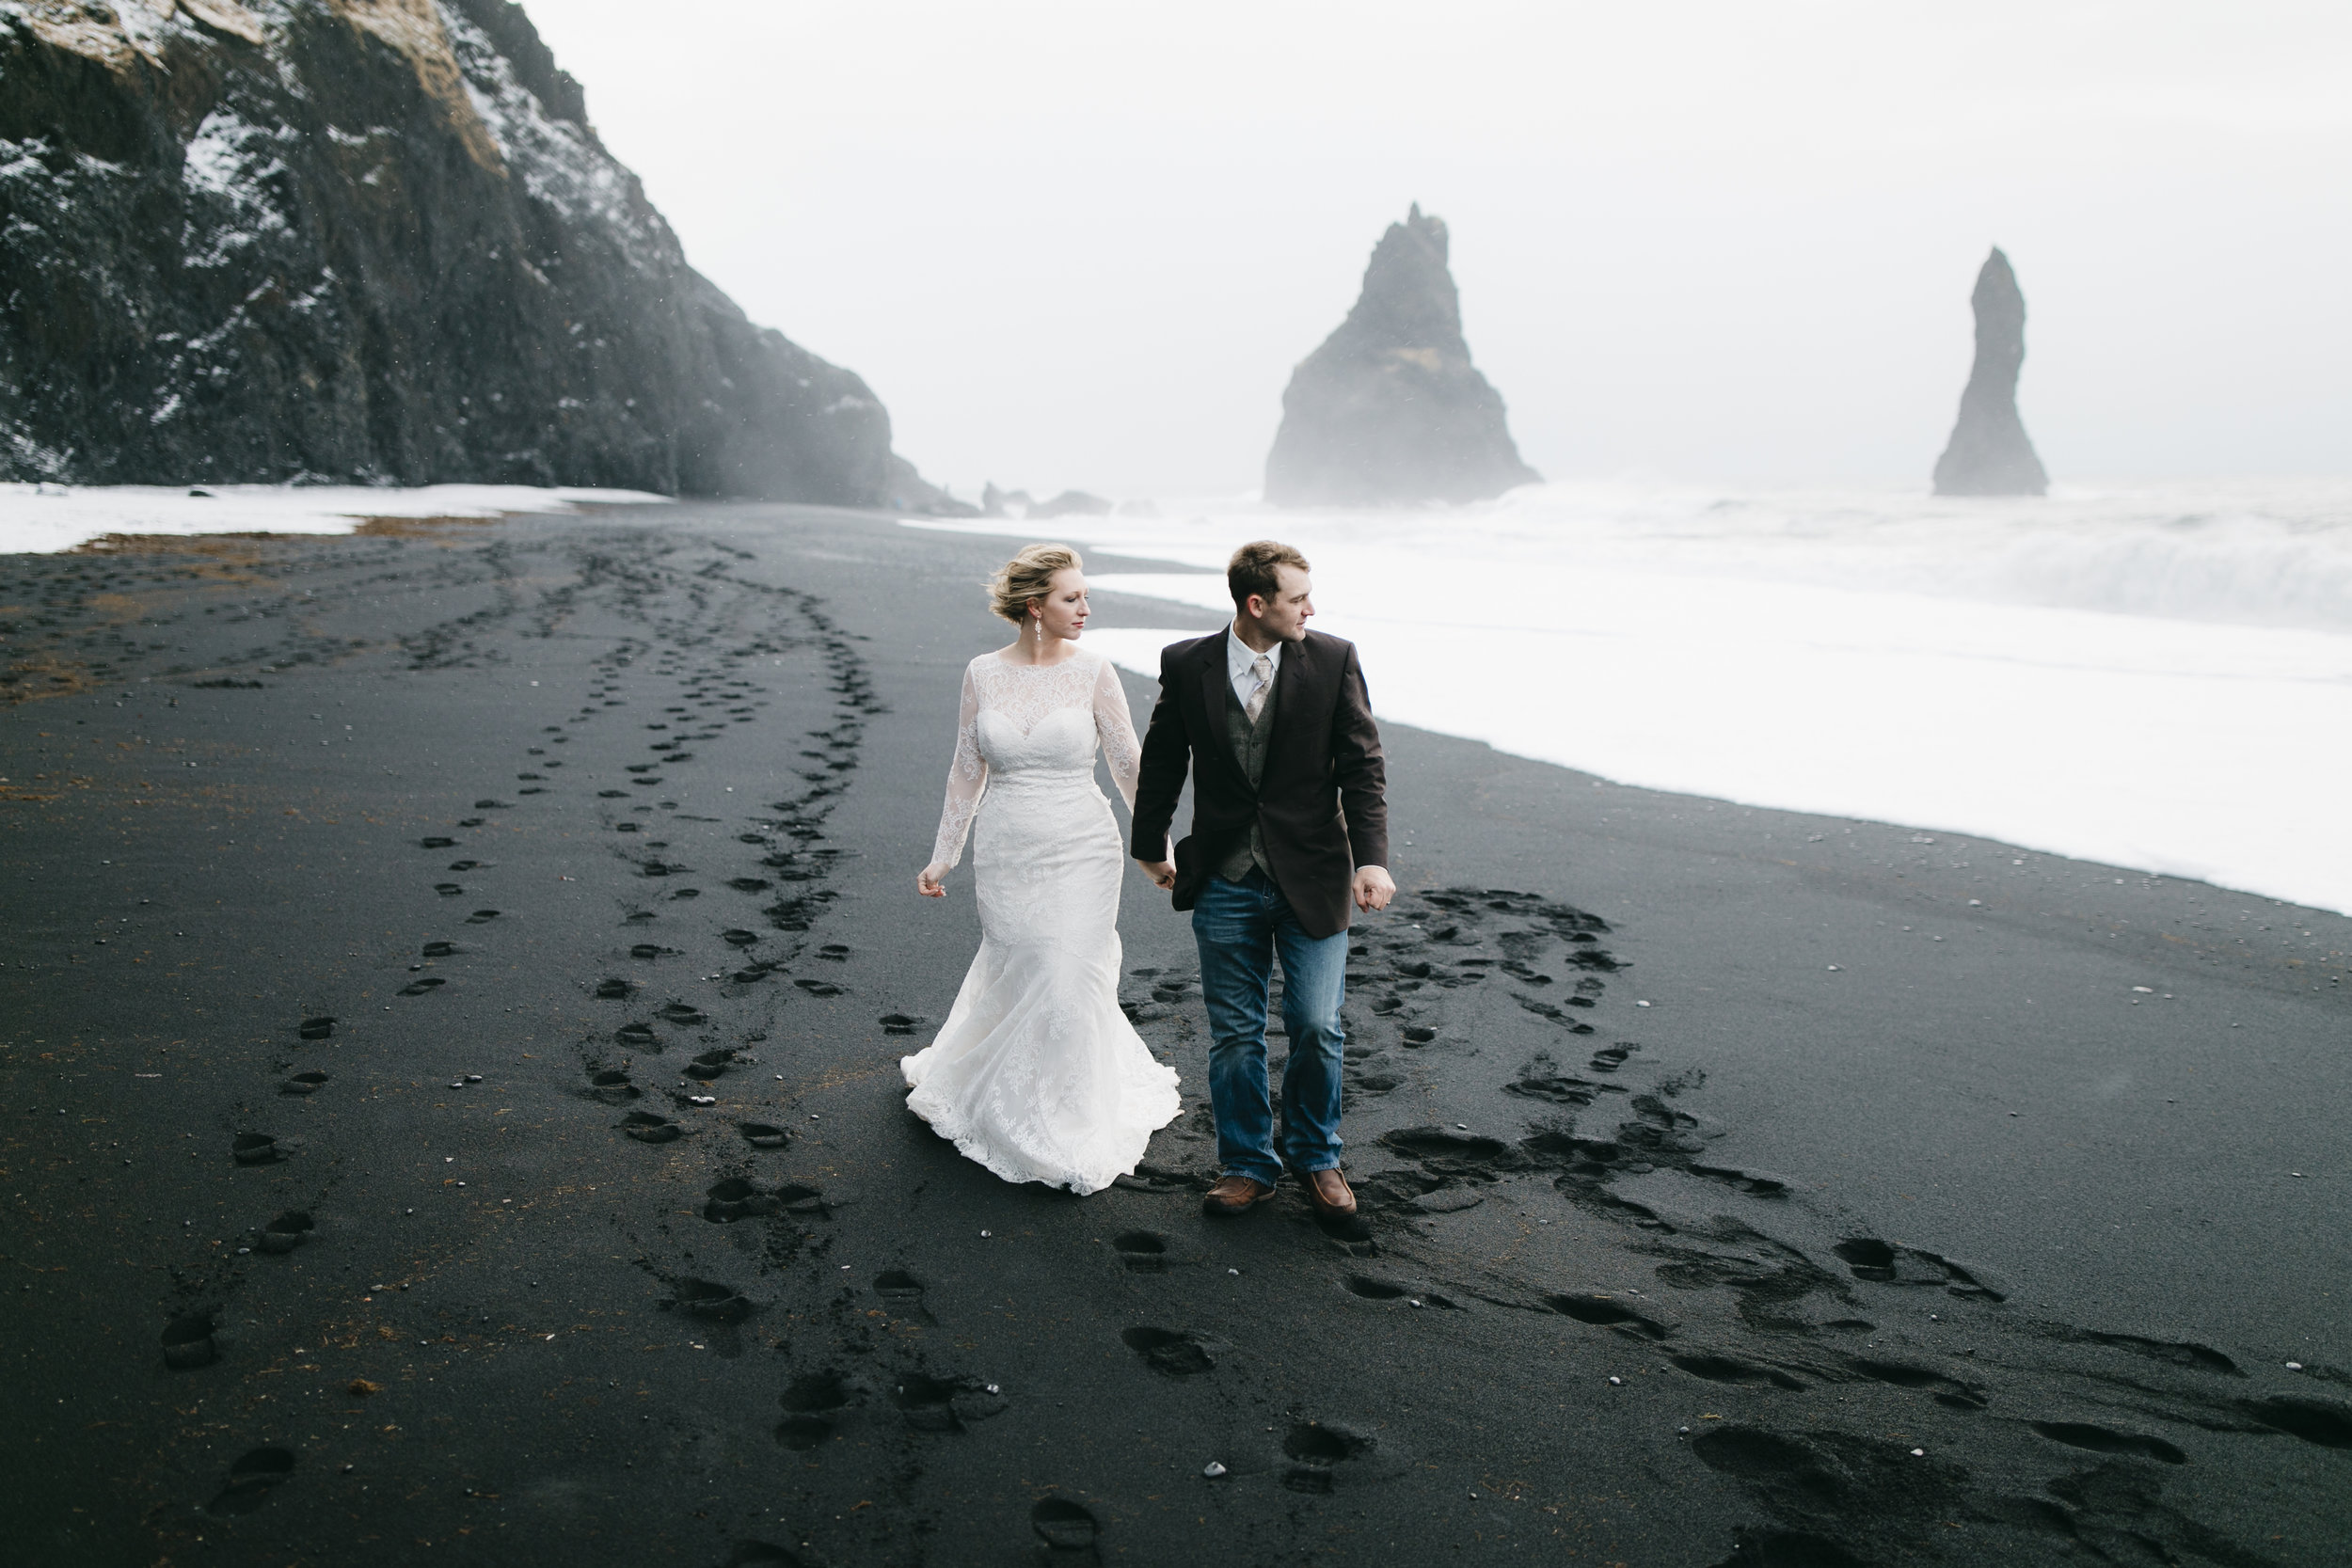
[1390,408]
[1990,453]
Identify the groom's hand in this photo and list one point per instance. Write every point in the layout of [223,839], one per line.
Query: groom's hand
[1374,888]
[1163,875]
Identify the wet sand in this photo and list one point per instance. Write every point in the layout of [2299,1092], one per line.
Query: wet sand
[384,909]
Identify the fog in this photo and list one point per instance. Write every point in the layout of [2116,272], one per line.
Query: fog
[1084,243]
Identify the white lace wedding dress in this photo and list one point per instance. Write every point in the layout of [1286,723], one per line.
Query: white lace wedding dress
[1037,1074]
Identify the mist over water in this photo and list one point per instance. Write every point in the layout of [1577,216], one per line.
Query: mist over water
[2271,553]
[1085,245]
[2156,677]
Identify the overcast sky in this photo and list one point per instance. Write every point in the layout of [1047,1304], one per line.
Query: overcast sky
[1082,243]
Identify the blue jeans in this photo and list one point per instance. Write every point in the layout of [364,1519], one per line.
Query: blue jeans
[1240,927]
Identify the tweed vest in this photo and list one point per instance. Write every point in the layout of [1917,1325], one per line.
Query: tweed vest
[1249,748]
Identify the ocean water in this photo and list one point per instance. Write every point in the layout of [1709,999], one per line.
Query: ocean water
[2156,677]
[39,518]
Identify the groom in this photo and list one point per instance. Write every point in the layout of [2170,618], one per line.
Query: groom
[1290,826]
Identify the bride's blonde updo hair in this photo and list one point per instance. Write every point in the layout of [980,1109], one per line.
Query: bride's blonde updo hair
[1027,575]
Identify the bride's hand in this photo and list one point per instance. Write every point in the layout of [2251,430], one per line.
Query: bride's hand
[927,880]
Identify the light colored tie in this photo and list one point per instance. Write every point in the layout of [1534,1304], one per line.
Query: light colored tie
[1261,667]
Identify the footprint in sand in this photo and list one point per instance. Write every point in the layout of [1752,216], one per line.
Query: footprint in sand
[187,1340]
[1777,1464]
[1750,1182]
[2325,1422]
[437,843]
[482,917]
[448,890]
[1542,1079]
[1892,1263]
[901,1295]
[651,1127]
[612,1087]
[1066,1528]
[304,1082]
[288,1232]
[615,990]
[813,1404]
[315,1028]
[252,1477]
[1717,1368]
[739,1197]
[711,1301]
[1373,1288]
[1317,1451]
[419,988]
[1142,1251]
[439,949]
[1167,1351]
[256,1149]
[761,1134]
[1602,1312]
[945,1404]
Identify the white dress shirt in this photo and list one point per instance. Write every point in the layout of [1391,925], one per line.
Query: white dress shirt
[1239,659]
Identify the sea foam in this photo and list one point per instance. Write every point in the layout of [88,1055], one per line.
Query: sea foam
[2156,677]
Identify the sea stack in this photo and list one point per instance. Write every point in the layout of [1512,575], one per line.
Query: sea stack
[374,241]
[1990,455]
[1389,410]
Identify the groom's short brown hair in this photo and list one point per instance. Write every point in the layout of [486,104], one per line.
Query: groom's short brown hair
[1253,570]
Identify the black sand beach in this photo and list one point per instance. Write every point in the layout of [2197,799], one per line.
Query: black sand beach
[1745,1187]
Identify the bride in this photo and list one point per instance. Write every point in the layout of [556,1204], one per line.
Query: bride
[1037,1074]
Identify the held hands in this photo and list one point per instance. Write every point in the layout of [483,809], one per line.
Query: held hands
[927,880]
[1371,889]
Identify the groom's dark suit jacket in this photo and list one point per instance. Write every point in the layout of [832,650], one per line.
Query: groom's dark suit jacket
[1320,803]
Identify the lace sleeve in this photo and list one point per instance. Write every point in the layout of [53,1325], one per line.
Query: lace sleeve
[967,780]
[1118,732]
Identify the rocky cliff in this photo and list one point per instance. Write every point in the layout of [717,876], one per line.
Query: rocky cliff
[376,240]
[1390,409]
[1990,453]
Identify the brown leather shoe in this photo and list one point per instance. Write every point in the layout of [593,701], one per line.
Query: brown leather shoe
[1235,1195]
[1328,1192]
